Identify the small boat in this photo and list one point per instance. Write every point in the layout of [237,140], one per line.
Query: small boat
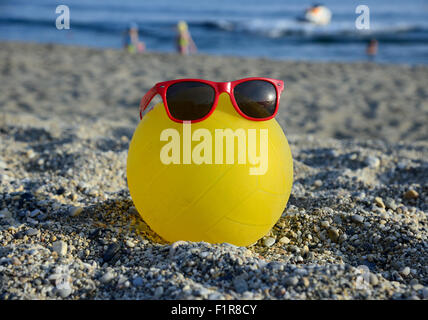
[317,14]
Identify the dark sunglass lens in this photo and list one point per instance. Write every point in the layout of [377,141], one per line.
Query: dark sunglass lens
[256,98]
[190,100]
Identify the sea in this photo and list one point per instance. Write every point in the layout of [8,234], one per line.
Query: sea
[250,28]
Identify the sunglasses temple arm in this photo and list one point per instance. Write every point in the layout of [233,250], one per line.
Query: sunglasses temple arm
[146,100]
[282,87]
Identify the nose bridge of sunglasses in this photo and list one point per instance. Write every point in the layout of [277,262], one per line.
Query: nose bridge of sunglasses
[224,105]
[224,86]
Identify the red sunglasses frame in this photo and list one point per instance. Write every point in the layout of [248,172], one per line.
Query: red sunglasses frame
[219,87]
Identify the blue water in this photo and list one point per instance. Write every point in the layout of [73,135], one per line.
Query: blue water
[251,28]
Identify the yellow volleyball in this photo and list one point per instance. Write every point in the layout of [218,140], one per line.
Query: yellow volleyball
[224,179]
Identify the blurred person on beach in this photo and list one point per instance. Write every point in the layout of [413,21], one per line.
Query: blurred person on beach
[131,41]
[185,43]
[371,49]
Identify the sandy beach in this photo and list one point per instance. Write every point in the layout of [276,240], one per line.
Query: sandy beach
[355,226]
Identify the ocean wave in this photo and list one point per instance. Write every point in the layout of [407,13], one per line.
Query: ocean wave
[282,28]
[290,27]
[94,26]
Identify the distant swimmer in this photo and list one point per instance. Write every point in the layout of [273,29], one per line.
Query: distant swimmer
[371,49]
[317,14]
[185,43]
[131,41]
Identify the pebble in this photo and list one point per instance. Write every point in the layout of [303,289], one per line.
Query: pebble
[333,234]
[390,204]
[60,247]
[405,271]
[32,221]
[158,292]
[138,282]
[306,282]
[301,272]
[64,292]
[122,279]
[34,213]
[425,292]
[417,287]
[201,291]
[284,240]
[217,296]
[111,252]
[31,154]
[305,249]
[269,241]
[204,254]
[403,164]
[240,284]
[379,202]
[325,224]
[414,282]
[75,211]
[291,281]
[373,279]
[318,183]
[16,261]
[4,213]
[372,161]
[130,244]
[411,194]
[107,277]
[174,246]
[357,218]
[343,237]
[32,232]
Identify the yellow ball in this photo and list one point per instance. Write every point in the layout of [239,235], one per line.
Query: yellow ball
[237,201]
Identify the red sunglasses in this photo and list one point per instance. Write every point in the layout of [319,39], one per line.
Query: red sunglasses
[194,100]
